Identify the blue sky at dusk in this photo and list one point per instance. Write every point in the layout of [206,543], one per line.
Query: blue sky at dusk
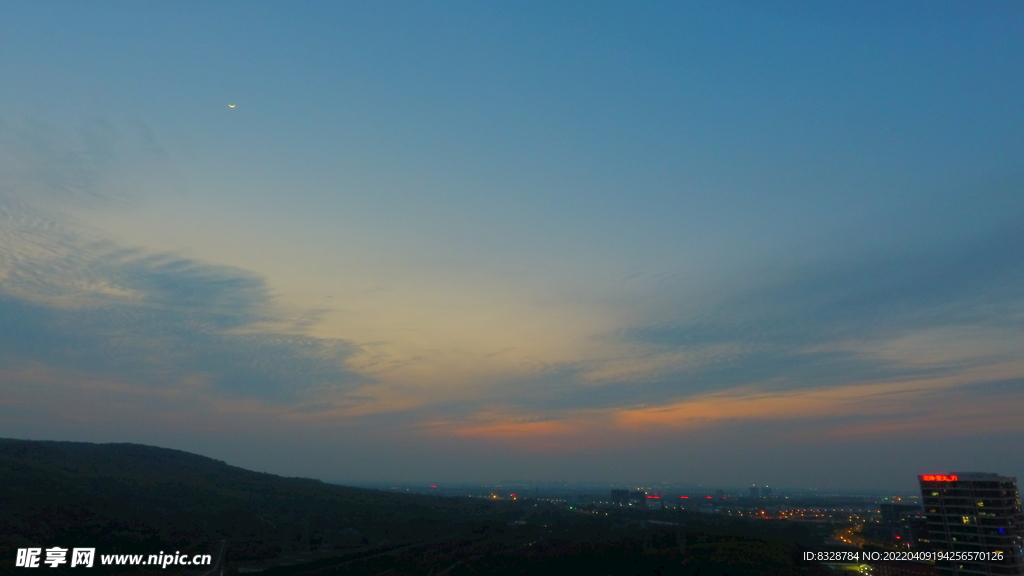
[716,242]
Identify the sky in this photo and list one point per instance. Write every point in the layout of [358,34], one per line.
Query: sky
[726,243]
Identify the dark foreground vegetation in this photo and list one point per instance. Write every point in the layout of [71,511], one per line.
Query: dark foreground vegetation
[132,499]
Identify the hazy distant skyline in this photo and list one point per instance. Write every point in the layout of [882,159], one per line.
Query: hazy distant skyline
[717,242]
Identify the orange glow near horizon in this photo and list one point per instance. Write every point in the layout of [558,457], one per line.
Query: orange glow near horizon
[882,406]
[508,429]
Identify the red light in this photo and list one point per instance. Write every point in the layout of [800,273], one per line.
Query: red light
[707,496]
[939,478]
[684,496]
[433,485]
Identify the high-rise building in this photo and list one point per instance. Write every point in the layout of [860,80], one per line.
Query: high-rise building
[755,492]
[902,524]
[978,513]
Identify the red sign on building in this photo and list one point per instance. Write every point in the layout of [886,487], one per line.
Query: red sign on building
[939,478]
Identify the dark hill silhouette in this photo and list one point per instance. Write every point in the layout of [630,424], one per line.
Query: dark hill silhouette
[138,467]
[134,499]
[130,497]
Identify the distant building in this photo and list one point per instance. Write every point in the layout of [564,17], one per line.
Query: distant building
[755,492]
[766,491]
[978,513]
[620,497]
[629,497]
[638,498]
[902,524]
[893,512]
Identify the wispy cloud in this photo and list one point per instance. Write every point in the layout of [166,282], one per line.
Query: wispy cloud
[841,337]
[73,300]
[93,163]
[157,320]
[822,324]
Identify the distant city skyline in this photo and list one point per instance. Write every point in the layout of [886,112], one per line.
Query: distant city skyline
[719,242]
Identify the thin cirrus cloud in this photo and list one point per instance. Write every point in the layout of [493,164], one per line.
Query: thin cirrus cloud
[853,320]
[879,342]
[72,300]
[816,323]
[159,321]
